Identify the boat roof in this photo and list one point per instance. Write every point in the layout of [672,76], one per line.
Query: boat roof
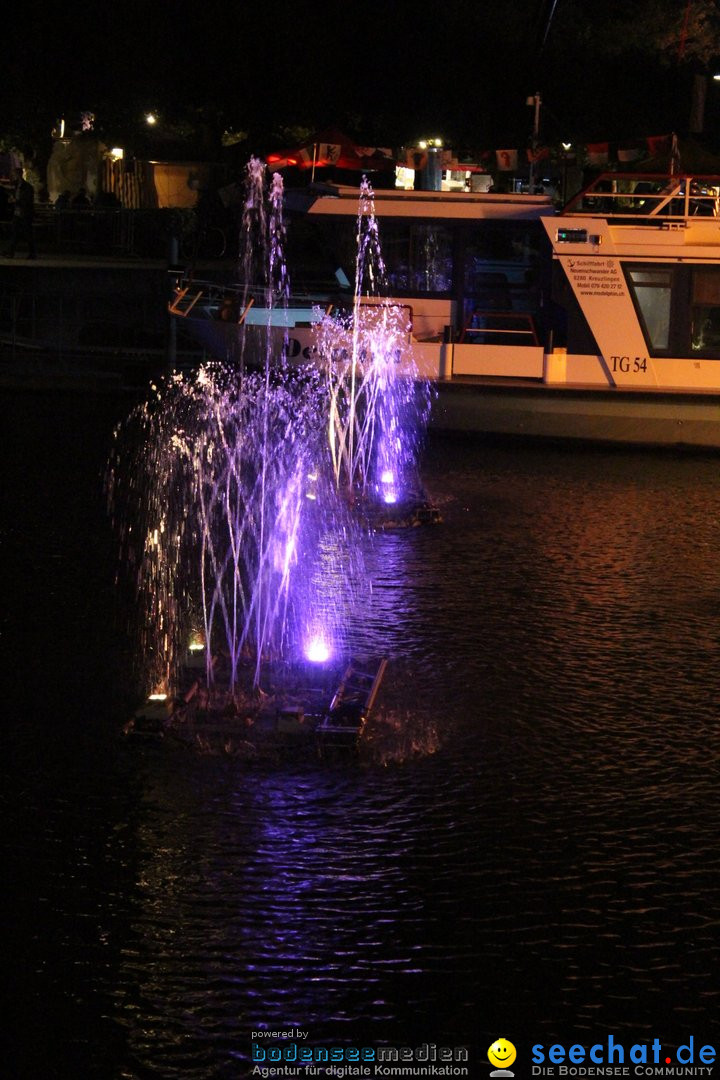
[339,200]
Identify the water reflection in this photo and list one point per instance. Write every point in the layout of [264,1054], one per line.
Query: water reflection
[552,870]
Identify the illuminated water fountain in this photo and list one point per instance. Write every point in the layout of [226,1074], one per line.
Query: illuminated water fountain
[236,493]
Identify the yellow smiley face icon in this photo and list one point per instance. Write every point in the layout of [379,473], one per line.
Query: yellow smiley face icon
[502,1053]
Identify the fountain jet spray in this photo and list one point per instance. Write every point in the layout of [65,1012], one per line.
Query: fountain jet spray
[230,487]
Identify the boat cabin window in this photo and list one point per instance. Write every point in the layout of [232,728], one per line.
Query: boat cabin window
[678,307]
[502,265]
[705,308]
[488,267]
[418,257]
[317,248]
[652,290]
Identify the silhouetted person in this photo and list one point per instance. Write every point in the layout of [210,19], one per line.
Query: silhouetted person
[23,214]
[63,201]
[107,200]
[81,200]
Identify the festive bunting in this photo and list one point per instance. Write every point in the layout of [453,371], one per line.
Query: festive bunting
[657,144]
[630,153]
[507,160]
[598,153]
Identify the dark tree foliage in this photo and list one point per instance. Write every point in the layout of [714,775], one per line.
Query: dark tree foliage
[386,72]
[668,31]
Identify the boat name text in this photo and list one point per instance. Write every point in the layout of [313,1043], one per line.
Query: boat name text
[629,363]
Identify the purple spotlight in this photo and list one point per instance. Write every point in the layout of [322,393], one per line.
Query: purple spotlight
[390,497]
[317,651]
[387,476]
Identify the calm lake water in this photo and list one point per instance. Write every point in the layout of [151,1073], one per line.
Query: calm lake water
[549,872]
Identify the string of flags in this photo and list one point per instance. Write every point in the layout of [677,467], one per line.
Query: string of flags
[332,148]
[598,154]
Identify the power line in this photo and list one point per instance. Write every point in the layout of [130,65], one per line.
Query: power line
[547,24]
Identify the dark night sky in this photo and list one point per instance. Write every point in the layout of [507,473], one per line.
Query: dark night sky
[388,71]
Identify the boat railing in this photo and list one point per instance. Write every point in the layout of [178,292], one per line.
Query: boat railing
[233,303]
[499,328]
[405,310]
[642,197]
[214,300]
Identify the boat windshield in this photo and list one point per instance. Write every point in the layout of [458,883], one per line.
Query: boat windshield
[642,196]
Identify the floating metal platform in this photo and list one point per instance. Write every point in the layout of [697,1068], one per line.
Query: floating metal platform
[321,722]
[351,705]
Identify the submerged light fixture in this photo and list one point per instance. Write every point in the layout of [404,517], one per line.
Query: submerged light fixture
[317,650]
[387,479]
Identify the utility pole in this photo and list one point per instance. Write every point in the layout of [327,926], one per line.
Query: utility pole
[536,102]
[174,275]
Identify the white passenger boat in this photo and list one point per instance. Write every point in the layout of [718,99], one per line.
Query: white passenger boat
[599,323]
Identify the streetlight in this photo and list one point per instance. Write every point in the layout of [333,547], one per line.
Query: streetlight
[566,148]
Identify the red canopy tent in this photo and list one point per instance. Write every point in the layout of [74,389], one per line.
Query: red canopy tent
[333,148]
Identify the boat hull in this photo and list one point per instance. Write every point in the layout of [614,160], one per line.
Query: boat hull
[629,417]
